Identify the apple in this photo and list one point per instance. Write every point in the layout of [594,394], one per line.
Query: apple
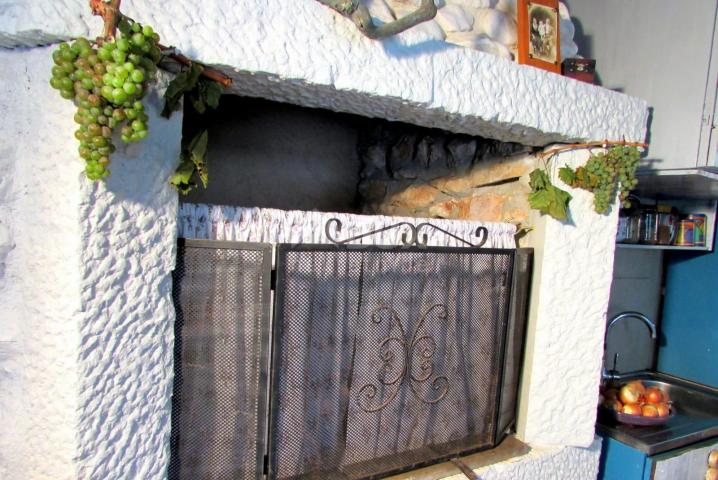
[611,393]
[654,395]
[630,393]
[712,474]
[632,409]
[663,409]
[649,410]
[713,459]
[614,405]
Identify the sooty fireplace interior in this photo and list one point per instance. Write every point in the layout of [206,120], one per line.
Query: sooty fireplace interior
[382,358]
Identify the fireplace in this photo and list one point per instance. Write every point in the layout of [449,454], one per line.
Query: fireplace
[86,348]
[384,358]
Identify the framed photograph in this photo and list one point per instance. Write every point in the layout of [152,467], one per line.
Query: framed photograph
[539,34]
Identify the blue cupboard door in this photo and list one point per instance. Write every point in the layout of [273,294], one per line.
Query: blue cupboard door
[621,462]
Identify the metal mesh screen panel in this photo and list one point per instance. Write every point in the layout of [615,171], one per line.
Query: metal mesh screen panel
[384,360]
[221,296]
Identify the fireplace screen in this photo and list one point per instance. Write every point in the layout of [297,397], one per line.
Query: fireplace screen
[383,359]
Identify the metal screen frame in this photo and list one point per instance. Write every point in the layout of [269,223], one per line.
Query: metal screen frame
[265,286]
[508,318]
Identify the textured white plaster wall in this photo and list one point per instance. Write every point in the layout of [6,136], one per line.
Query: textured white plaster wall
[570,291]
[126,326]
[301,52]
[39,283]
[86,319]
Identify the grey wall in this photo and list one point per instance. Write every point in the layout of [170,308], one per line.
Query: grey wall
[637,277]
[268,154]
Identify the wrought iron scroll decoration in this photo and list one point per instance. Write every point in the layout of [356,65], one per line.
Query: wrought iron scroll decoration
[412,237]
[396,365]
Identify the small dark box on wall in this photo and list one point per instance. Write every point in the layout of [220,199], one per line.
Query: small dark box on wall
[583,69]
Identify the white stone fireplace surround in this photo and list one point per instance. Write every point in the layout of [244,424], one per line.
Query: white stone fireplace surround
[86,315]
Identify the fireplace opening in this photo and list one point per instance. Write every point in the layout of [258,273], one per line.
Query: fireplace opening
[274,155]
[299,355]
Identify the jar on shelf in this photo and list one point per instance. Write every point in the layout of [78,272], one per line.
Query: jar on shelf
[667,218]
[629,223]
[685,233]
[649,226]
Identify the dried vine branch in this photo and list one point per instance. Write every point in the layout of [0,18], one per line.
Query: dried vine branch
[578,146]
[359,14]
[110,13]
[208,72]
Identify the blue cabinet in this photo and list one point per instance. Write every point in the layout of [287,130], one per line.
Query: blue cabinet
[621,462]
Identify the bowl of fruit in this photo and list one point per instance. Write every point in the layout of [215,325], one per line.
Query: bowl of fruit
[634,404]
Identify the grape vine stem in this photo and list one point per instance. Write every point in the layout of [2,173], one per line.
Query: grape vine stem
[580,146]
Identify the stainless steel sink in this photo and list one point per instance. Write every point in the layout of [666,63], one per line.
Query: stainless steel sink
[695,419]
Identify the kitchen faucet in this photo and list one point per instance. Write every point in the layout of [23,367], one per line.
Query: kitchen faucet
[605,374]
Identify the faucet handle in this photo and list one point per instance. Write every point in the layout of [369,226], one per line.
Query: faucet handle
[615,361]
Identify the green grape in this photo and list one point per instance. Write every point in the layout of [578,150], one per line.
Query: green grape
[67,94]
[138,125]
[94,129]
[102,119]
[137,76]
[107,92]
[129,88]
[127,130]
[104,54]
[119,115]
[138,39]
[136,27]
[119,95]
[56,83]
[119,56]
[123,45]
[58,71]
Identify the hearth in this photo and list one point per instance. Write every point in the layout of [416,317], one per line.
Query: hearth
[383,358]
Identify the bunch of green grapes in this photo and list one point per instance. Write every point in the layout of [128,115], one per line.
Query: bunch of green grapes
[605,174]
[107,83]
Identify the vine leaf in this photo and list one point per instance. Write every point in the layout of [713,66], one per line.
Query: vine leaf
[567,175]
[192,162]
[184,82]
[546,197]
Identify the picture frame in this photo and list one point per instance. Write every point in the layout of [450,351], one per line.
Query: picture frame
[539,34]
